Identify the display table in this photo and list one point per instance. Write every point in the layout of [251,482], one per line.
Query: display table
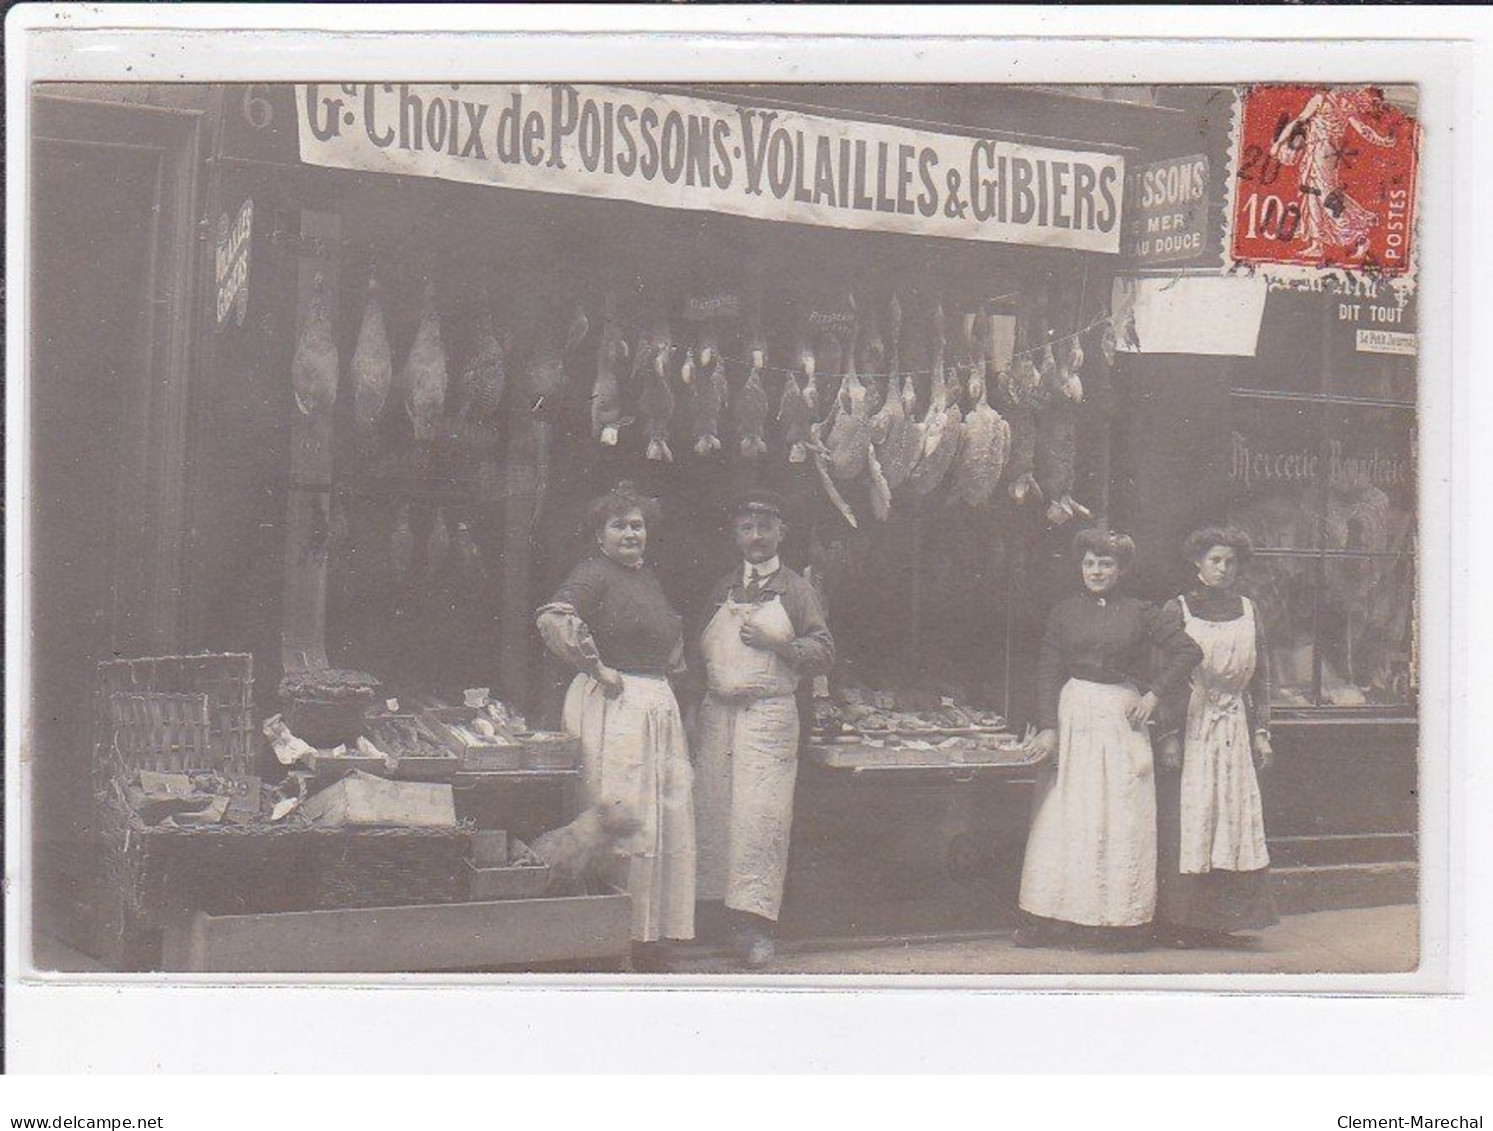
[884,850]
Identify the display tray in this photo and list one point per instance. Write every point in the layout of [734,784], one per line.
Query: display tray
[843,756]
[935,732]
[410,939]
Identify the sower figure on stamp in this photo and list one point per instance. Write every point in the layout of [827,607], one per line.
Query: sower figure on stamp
[764,632]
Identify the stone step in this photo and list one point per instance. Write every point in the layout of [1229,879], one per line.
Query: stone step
[1325,887]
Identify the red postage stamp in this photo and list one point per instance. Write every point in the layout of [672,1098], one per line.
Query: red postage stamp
[1325,178]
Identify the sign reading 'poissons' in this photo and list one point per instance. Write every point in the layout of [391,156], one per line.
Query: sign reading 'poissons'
[681,152]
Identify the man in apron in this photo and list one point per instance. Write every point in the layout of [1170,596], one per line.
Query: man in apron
[764,632]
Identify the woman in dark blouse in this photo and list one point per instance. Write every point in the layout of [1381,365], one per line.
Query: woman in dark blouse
[1213,867]
[611,622]
[1091,852]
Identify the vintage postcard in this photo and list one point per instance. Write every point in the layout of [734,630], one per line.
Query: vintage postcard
[523,525]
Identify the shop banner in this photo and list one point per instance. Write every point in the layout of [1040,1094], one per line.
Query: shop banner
[1167,214]
[680,152]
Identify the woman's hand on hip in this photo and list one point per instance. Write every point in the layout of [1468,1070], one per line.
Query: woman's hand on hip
[1140,711]
[1264,752]
[610,680]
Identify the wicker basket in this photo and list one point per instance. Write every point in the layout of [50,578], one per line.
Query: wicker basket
[184,713]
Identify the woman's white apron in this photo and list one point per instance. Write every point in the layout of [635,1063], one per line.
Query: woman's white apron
[1091,851]
[1223,823]
[746,761]
[633,750]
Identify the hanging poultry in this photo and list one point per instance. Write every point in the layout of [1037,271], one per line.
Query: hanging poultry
[986,446]
[373,363]
[941,424]
[710,394]
[542,378]
[486,374]
[313,369]
[606,394]
[750,415]
[656,401]
[849,438]
[893,431]
[794,412]
[1057,439]
[402,544]
[424,376]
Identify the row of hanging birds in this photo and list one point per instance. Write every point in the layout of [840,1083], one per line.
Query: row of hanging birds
[882,404]
[421,388]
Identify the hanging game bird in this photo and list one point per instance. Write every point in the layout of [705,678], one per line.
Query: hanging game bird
[424,377]
[373,363]
[313,369]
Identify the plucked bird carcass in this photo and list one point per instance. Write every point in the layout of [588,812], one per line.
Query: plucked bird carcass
[893,431]
[313,368]
[985,449]
[940,433]
[795,413]
[656,401]
[424,376]
[373,363]
[550,342]
[750,409]
[849,437]
[709,400]
[402,544]
[581,855]
[807,361]
[1057,440]
[485,375]
[607,420]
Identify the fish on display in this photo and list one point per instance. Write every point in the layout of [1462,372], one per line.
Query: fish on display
[313,368]
[373,363]
[656,401]
[750,415]
[424,377]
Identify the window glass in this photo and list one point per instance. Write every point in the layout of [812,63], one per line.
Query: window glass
[1288,356]
[1274,469]
[1364,633]
[1284,589]
[1370,505]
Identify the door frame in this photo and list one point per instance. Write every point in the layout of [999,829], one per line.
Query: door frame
[158,428]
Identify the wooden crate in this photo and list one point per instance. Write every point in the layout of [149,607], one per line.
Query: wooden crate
[452,936]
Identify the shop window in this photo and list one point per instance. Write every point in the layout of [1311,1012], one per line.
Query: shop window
[1321,472]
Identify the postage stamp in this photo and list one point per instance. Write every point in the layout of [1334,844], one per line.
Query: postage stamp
[1325,178]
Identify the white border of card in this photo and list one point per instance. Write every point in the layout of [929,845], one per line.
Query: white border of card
[146,1023]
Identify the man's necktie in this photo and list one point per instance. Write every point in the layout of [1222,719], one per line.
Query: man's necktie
[754,586]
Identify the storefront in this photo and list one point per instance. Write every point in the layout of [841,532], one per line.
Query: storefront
[338,527]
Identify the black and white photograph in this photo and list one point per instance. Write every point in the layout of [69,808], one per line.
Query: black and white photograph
[711,529]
